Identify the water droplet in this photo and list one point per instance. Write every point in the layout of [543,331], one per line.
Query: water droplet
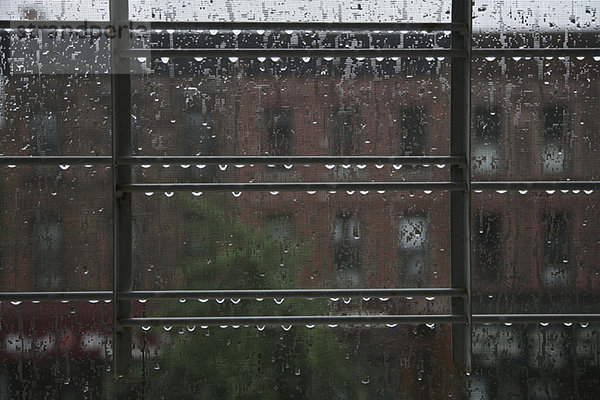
[384,298]
[141,59]
[278,301]
[167,328]
[274,193]
[202,300]
[275,59]
[191,328]
[490,58]
[148,193]
[169,194]
[310,326]
[222,167]
[364,192]
[568,324]
[259,299]
[397,166]
[233,59]
[15,303]
[260,327]
[350,192]
[332,325]
[286,327]
[235,301]
[220,301]
[544,323]
[366,298]
[576,191]
[64,167]
[236,194]
[200,166]
[523,191]
[145,166]
[142,301]
[427,191]
[146,328]
[311,192]
[501,191]
[441,166]
[182,300]
[508,323]
[185,166]
[584,325]
[261,59]
[588,191]
[165,60]
[365,380]
[379,166]
[306,59]
[213,31]
[198,58]
[334,299]
[550,191]
[347,301]
[196,194]
[430,326]
[430,298]
[391,325]
[329,166]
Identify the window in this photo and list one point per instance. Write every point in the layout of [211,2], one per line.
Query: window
[413,124]
[487,251]
[359,199]
[346,248]
[556,269]
[486,140]
[554,139]
[279,131]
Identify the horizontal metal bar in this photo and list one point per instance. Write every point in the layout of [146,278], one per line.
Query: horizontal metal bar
[289,186]
[287,293]
[530,52]
[535,185]
[302,160]
[295,320]
[296,52]
[56,296]
[534,318]
[55,160]
[247,25]
[303,26]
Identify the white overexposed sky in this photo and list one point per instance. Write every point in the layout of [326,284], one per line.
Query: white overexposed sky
[489,15]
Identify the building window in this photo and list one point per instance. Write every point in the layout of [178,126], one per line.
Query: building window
[555,250]
[553,139]
[279,131]
[279,227]
[346,248]
[344,125]
[43,127]
[488,246]
[486,141]
[199,135]
[49,246]
[412,236]
[413,128]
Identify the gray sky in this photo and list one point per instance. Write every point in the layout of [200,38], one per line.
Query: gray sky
[507,15]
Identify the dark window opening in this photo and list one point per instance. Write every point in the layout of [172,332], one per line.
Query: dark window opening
[413,125]
[488,246]
[487,125]
[49,246]
[43,126]
[279,129]
[343,127]
[346,242]
[200,139]
[412,236]
[555,249]
[554,124]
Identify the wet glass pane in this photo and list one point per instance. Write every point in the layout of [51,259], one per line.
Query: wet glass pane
[535,361]
[57,350]
[61,10]
[253,240]
[274,362]
[293,11]
[56,228]
[553,23]
[55,115]
[291,106]
[535,119]
[535,252]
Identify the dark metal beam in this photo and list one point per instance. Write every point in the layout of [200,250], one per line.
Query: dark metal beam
[55,160]
[295,52]
[529,52]
[56,296]
[297,320]
[460,201]
[289,186]
[535,185]
[240,25]
[287,293]
[294,160]
[122,218]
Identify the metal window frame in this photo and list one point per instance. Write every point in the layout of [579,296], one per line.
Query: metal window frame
[460,185]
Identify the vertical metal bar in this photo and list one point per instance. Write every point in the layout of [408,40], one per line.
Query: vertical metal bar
[122,220]
[460,202]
